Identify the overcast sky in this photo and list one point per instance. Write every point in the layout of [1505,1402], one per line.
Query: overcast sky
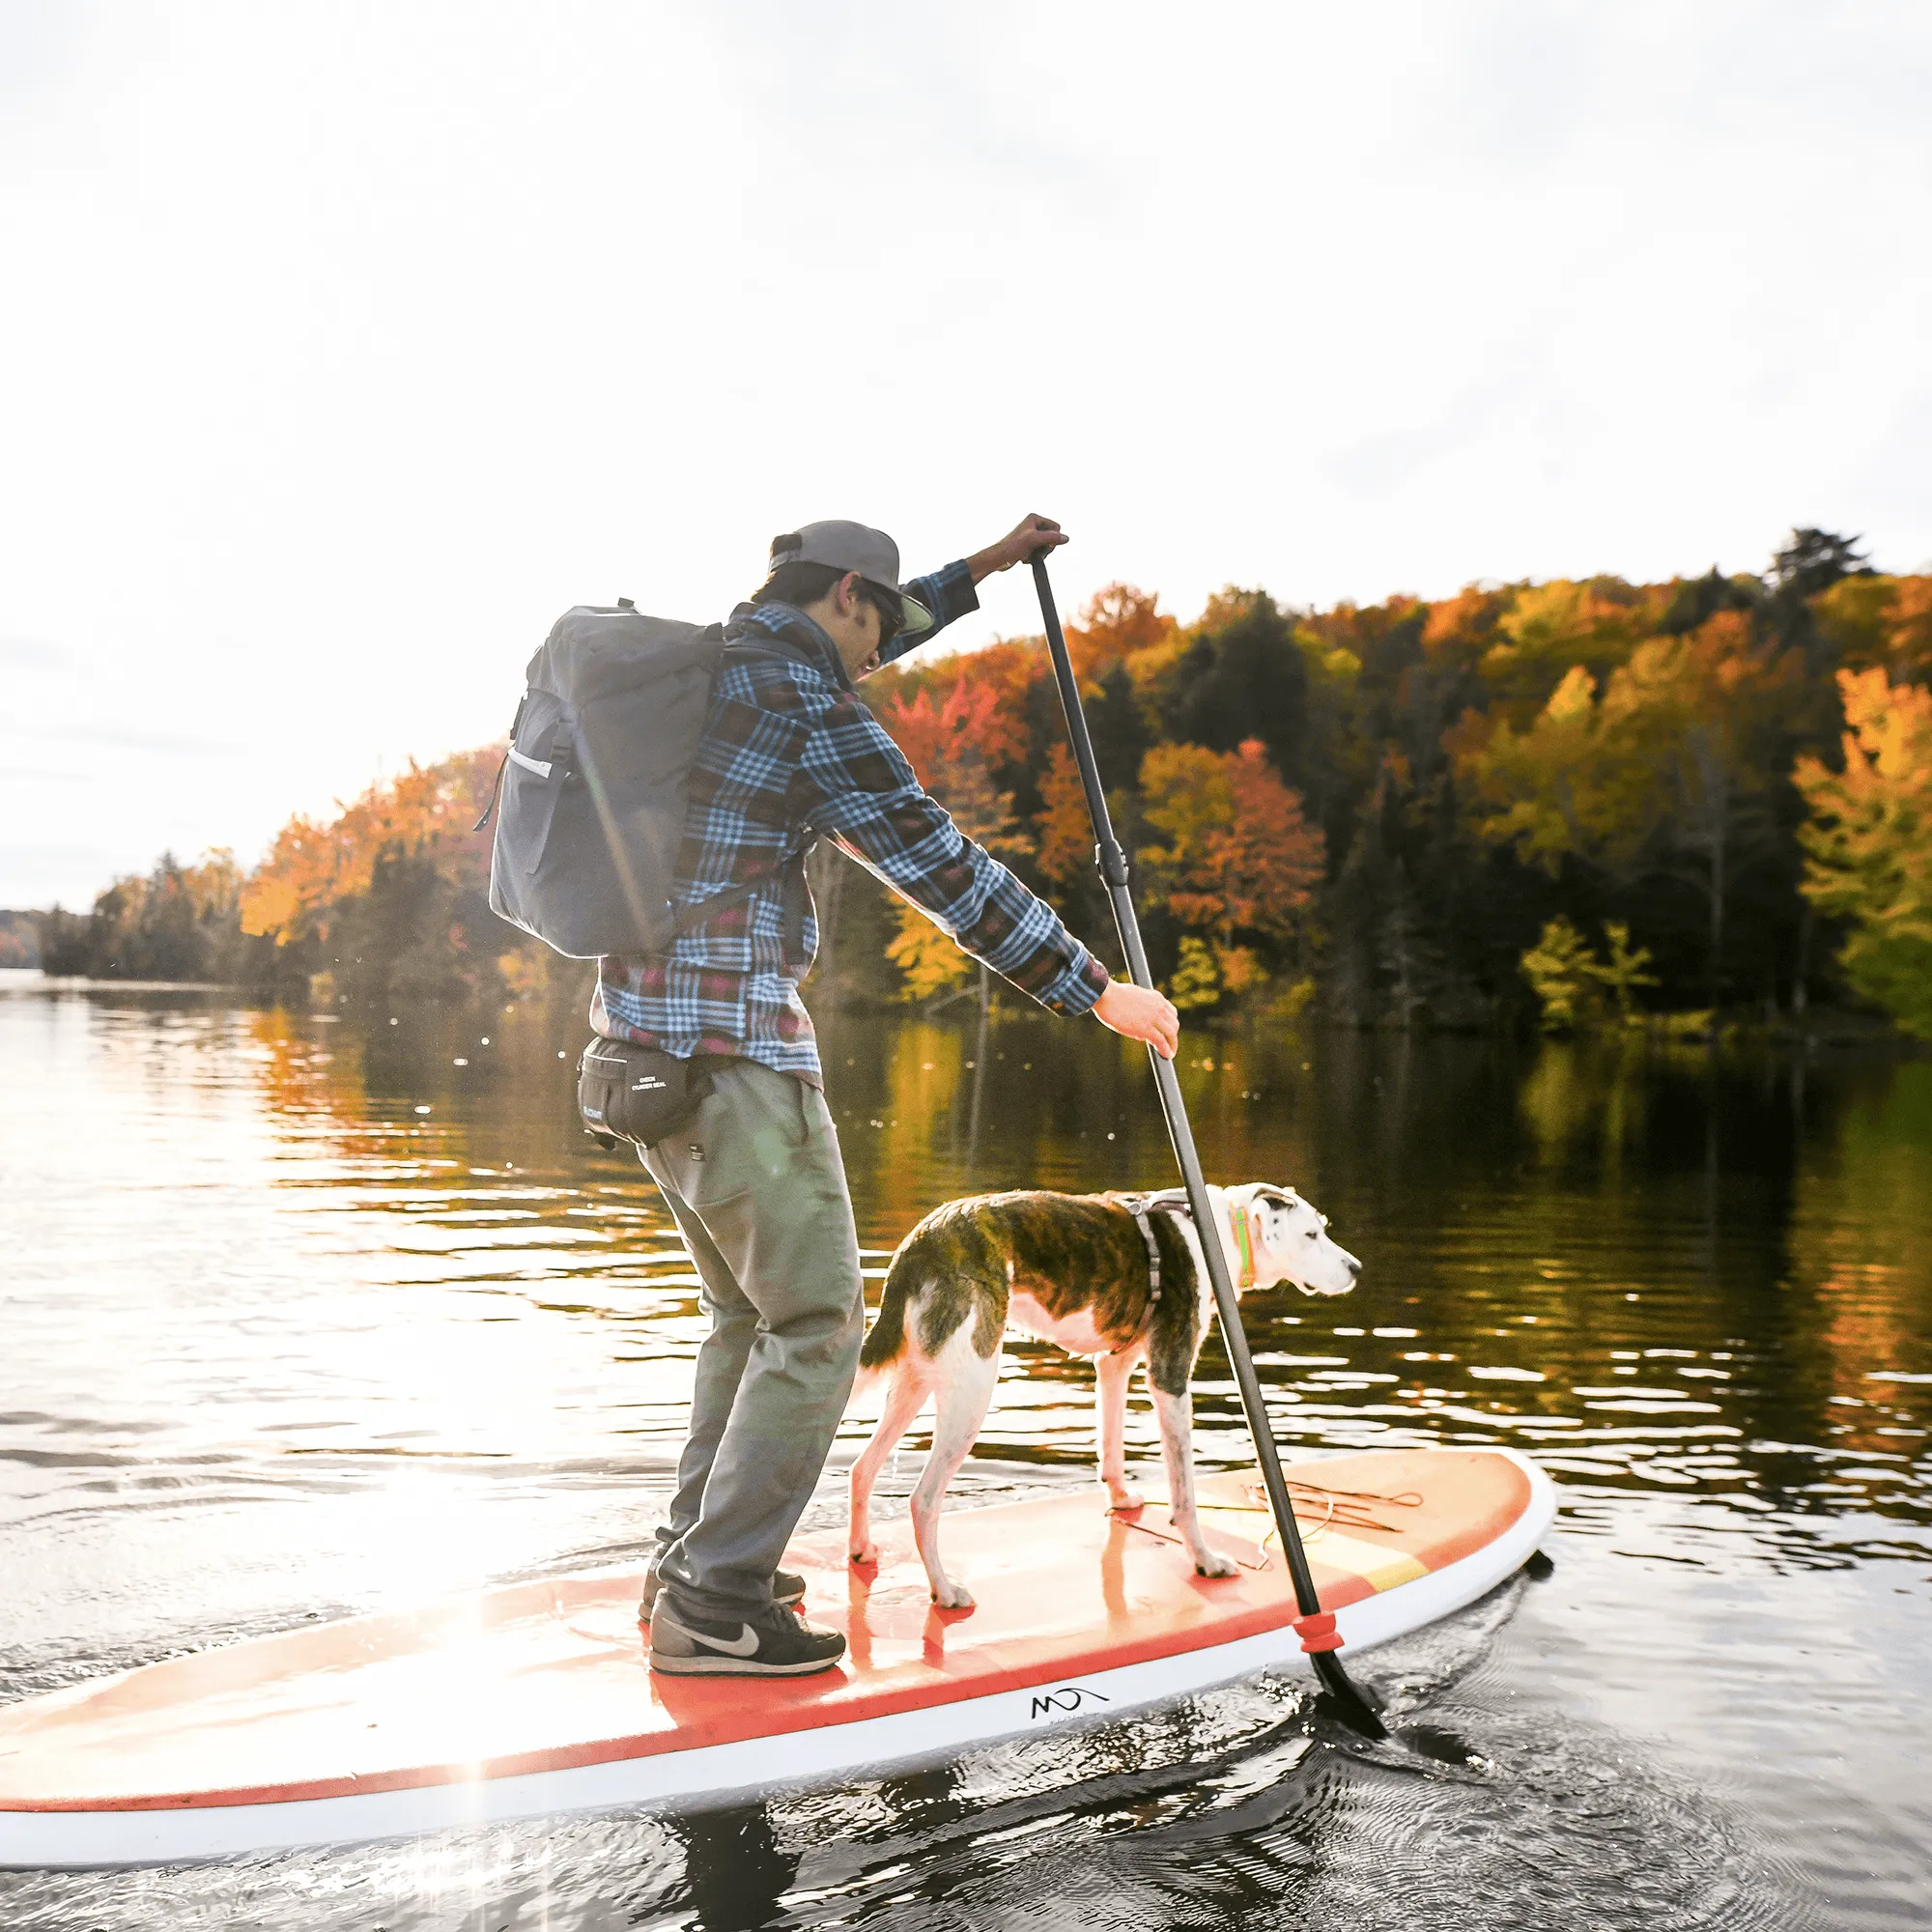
[345,345]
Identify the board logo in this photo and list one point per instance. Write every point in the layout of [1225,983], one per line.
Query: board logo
[1067,1700]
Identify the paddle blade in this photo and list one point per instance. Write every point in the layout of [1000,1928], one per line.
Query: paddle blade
[1344,1701]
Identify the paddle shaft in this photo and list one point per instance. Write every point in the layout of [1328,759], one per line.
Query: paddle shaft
[1113,865]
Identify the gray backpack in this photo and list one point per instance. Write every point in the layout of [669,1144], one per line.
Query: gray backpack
[596,780]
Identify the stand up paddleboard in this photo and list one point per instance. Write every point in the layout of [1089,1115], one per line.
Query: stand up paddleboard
[537,1698]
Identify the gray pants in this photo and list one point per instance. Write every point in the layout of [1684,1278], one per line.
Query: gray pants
[758,1193]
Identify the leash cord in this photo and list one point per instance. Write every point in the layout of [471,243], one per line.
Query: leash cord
[1161,1536]
[1343,1508]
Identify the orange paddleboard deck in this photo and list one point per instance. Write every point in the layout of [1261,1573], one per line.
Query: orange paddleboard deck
[535,1699]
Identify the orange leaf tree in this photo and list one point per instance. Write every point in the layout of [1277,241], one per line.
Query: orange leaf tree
[1065,832]
[951,745]
[313,866]
[1237,854]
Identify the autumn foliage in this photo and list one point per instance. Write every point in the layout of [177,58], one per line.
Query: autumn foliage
[1706,794]
[1399,799]
[313,869]
[950,742]
[178,923]
[1869,844]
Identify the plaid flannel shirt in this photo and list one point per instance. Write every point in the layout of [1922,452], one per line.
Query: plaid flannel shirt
[789,750]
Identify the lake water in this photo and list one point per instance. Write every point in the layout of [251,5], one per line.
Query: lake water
[306,1317]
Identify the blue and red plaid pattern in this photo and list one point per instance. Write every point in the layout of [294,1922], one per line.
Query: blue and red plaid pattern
[789,750]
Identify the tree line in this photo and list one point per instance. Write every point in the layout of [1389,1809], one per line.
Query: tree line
[1584,801]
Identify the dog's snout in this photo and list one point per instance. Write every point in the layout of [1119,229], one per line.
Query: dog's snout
[1354,1266]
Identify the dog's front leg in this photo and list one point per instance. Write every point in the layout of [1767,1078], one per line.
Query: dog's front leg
[1112,1374]
[1176,1415]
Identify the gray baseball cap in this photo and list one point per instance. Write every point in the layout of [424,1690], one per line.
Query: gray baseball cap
[843,546]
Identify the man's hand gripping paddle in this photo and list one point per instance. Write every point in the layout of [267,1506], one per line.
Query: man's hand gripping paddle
[1314,1625]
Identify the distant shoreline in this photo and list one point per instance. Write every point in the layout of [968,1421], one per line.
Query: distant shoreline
[30,978]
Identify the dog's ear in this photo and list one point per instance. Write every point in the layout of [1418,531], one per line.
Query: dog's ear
[1287,1196]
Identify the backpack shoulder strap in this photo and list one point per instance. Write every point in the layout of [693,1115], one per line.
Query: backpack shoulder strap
[790,864]
[700,911]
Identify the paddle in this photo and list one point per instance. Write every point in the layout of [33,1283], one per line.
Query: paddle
[1314,1626]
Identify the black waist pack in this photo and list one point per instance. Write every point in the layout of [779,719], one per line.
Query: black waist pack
[636,1093]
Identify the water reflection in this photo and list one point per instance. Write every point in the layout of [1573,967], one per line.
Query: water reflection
[307,1314]
[736,1870]
[1654,1270]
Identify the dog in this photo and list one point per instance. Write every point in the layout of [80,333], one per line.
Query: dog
[1116,1276]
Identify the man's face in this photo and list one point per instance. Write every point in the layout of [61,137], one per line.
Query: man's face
[849,613]
[861,648]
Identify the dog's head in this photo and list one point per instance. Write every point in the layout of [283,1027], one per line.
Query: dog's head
[1291,1243]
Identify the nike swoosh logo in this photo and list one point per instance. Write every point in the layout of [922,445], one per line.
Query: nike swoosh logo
[743,1644]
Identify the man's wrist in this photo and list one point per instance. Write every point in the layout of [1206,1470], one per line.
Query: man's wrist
[1089,987]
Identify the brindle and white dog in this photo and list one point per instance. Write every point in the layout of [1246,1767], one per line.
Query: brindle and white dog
[1120,1277]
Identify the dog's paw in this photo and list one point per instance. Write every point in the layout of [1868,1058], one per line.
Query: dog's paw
[1123,1502]
[866,1556]
[1211,1563]
[954,1597]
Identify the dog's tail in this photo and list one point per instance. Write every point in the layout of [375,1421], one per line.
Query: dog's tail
[886,1339]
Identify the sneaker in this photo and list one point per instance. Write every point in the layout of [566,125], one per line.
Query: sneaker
[787,1589]
[781,1645]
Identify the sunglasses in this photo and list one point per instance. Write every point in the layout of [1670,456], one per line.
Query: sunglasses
[891,611]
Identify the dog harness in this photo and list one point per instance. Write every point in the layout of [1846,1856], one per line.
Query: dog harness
[1173,1201]
[1140,1206]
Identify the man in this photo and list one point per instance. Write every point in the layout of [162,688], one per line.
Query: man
[754,1180]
